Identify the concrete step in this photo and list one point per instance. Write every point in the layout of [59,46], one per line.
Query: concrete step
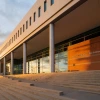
[23,95]
[87,88]
[41,95]
[31,94]
[81,80]
[2,96]
[54,92]
[8,95]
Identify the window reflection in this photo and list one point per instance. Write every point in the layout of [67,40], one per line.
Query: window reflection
[8,68]
[44,65]
[39,62]
[61,63]
[32,67]
[27,67]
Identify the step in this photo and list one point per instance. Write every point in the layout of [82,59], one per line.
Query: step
[8,95]
[87,88]
[54,92]
[33,94]
[23,95]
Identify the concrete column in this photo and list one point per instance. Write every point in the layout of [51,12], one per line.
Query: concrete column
[51,46]
[0,66]
[24,58]
[12,62]
[4,66]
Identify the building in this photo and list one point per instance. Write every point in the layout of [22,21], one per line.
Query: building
[55,35]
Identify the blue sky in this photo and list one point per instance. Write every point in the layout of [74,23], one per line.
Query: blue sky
[11,13]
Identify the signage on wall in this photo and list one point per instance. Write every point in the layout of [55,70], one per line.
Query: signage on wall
[86,54]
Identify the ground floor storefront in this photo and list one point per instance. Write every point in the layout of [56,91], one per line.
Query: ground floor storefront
[74,54]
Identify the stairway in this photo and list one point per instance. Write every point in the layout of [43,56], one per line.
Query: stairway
[14,90]
[85,81]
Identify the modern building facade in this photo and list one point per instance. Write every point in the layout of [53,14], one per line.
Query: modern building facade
[54,36]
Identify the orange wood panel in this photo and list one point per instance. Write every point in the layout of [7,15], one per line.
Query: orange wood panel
[85,55]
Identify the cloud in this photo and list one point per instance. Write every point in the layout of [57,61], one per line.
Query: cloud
[3,36]
[11,13]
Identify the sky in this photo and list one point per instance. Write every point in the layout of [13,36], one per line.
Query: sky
[11,13]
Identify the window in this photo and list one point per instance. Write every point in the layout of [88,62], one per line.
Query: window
[45,5]
[34,16]
[12,39]
[26,24]
[16,35]
[39,11]
[30,21]
[23,28]
[52,2]
[20,31]
[10,42]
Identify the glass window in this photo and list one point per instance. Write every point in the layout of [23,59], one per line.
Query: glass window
[27,67]
[35,70]
[32,67]
[30,21]
[39,11]
[41,65]
[17,66]
[23,28]
[52,2]
[61,61]
[45,6]
[16,35]
[12,39]
[46,66]
[8,69]
[56,63]
[26,24]
[20,31]
[34,16]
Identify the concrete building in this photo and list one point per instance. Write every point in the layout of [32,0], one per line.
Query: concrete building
[54,36]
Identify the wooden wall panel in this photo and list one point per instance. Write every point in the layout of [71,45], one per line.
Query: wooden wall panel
[85,55]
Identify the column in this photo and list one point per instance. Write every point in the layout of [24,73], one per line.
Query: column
[24,58]
[51,46]
[12,63]
[4,66]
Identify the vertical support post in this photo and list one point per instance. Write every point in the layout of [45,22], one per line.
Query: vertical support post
[24,58]
[0,66]
[12,63]
[51,46]
[4,66]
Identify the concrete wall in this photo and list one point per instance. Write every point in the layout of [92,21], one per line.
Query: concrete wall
[85,55]
[59,7]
